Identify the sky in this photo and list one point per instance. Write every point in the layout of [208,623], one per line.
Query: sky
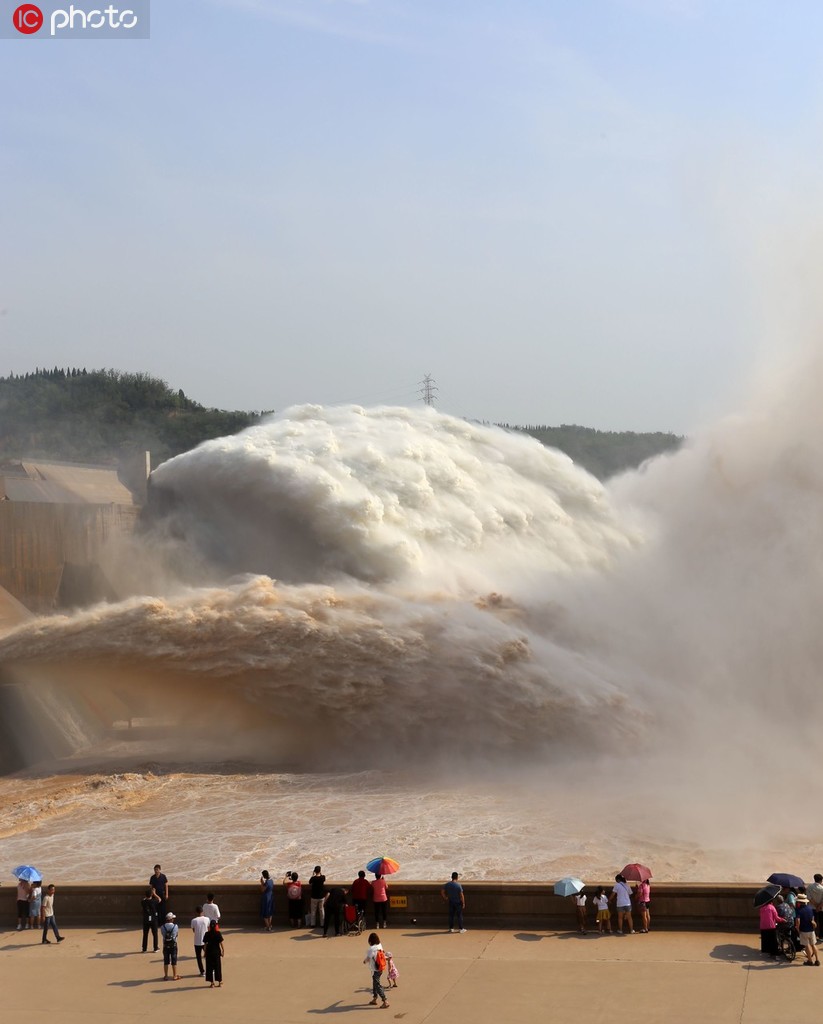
[579,212]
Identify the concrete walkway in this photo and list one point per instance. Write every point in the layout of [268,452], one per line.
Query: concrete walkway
[100,977]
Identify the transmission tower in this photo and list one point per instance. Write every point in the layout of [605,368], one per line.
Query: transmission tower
[428,389]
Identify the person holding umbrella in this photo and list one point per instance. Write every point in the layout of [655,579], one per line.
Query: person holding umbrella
[23,893]
[573,887]
[641,874]
[380,891]
[769,919]
[380,898]
[26,876]
[642,896]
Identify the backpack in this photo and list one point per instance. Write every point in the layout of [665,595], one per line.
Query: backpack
[294,891]
[380,961]
[169,939]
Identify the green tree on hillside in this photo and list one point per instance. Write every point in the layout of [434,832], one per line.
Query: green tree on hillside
[77,415]
[603,452]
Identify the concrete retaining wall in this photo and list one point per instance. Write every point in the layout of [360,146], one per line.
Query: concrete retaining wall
[39,540]
[520,906]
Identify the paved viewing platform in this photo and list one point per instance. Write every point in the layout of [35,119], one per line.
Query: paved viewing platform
[99,976]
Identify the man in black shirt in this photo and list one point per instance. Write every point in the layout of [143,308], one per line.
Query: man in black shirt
[334,910]
[317,884]
[160,884]
[150,903]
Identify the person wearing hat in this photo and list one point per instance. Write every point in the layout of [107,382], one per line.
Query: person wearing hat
[804,922]
[170,932]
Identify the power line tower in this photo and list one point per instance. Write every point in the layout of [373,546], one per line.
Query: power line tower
[428,389]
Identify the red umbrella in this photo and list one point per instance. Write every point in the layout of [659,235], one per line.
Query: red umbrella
[636,873]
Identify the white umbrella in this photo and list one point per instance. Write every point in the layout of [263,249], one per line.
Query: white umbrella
[568,886]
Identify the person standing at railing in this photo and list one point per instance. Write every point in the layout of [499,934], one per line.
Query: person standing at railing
[317,887]
[160,884]
[380,899]
[453,893]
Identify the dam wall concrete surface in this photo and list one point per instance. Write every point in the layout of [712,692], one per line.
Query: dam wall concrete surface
[519,906]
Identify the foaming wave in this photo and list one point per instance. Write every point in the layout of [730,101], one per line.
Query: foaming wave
[327,659]
[387,494]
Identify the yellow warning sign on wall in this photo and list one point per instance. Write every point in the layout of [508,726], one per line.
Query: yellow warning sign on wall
[398,901]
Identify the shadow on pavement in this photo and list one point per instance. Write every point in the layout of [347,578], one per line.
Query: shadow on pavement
[114,956]
[134,982]
[338,1007]
[733,952]
[166,990]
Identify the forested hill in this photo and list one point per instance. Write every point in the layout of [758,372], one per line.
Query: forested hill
[98,415]
[603,452]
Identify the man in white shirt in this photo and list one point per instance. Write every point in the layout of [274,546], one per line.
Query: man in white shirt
[815,894]
[49,920]
[199,925]
[210,908]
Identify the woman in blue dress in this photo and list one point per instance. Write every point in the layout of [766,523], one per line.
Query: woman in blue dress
[266,900]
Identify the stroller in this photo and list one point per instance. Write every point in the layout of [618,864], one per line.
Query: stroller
[354,920]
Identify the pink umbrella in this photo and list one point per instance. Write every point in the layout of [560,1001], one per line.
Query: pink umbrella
[636,873]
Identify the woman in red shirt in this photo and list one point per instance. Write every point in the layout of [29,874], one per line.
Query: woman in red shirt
[360,892]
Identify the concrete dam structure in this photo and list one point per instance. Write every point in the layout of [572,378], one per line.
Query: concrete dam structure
[56,520]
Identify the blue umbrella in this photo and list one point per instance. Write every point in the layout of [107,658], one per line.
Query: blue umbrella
[568,886]
[26,873]
[785,879]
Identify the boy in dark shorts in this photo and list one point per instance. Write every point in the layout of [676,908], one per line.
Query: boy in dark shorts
[169,933]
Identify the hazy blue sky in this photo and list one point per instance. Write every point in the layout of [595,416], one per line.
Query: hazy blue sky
[556,209]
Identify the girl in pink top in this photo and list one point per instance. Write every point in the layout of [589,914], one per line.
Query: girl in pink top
[380,898]
[642,895]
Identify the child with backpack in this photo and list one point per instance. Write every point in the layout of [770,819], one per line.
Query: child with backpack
[376,960]
[294,892]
